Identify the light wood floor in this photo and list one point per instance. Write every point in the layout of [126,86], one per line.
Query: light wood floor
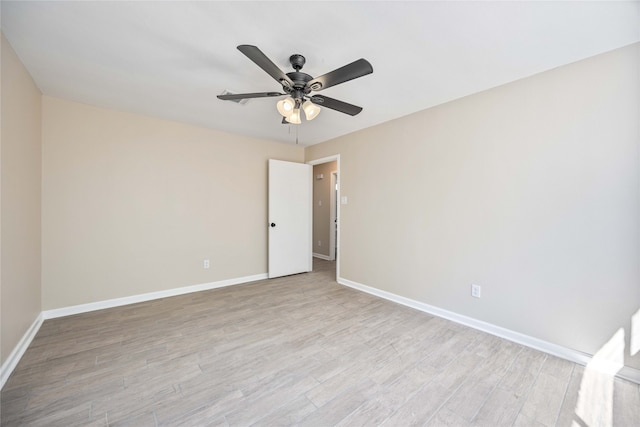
[297,350]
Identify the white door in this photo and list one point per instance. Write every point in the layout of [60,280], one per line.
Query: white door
[290,213]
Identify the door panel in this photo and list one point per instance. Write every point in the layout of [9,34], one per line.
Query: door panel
[290,213]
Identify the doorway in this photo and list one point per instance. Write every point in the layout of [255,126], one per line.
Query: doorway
[326,212]
[333,218]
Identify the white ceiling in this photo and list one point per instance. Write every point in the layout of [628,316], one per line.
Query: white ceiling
[171,59]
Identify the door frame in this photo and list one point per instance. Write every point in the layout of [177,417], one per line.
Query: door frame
[333,214]
[320,161]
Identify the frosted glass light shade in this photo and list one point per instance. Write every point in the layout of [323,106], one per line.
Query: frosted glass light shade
[286,106]
[294,117]
[311,110]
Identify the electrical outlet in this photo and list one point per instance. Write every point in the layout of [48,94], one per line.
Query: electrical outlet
[206,263]
[476,291]
[319,242]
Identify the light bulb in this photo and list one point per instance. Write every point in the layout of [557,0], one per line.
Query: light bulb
[294,117]
[286,106]
[311,110]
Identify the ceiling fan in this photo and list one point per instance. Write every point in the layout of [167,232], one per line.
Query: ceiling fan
[299,85]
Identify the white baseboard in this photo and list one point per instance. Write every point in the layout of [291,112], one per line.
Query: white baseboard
[321,256]
[12,361]
[630,374]
[575,356]
[117,302]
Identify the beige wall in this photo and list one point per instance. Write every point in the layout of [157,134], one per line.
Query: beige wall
[20,204]
[322,207]
[531,190]
[133,204]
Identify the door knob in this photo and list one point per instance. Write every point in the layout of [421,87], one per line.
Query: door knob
[273,224]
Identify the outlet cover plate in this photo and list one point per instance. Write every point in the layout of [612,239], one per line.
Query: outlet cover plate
[476,291]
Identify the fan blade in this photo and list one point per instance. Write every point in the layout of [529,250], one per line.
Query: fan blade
[233,96]
[356,69]
[284,121]
[334,104]
[261,60]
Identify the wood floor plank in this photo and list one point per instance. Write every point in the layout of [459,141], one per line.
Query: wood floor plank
[545,399]
[298,350]
[459,370]
[626,403]
[271,397]
[332,412]
[397,366]
[567,414]
[388,400]
[500,409]
[289,414]
[526,421]
[141,420]
[420,407]
[208,406]
[469,398]
[447,418]
[521,375]
[337,384]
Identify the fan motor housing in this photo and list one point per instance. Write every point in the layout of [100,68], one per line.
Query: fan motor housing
[299,79]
